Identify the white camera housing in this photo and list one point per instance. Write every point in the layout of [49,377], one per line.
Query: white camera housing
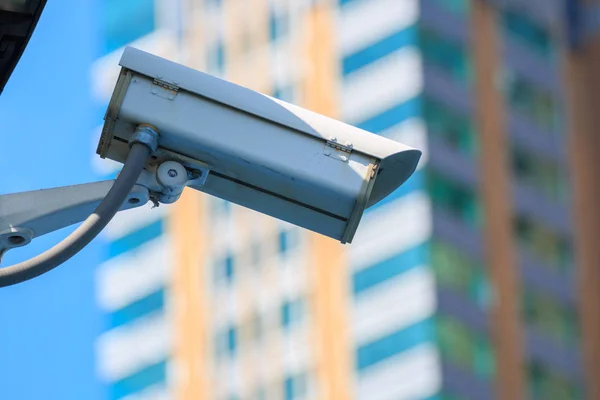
[252,149]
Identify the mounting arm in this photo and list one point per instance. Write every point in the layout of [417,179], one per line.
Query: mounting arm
[21,220]
[25,216]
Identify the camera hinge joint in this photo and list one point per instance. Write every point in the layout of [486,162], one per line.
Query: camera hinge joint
[164,89]
[337,150]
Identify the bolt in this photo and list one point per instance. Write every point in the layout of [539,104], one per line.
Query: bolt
[327,152]
[153,91]
[172,173]
[344,158]
[16,240]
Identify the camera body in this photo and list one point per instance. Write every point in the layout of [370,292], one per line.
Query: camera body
[254,150]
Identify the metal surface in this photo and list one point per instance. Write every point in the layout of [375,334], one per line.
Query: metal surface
[264,154]
[147,135]
[18,20]
[164,89]
[31,214]
[361,202]
[337,150]
[173,177]
[166,179]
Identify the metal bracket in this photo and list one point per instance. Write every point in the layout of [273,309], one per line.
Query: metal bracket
[26,215]
[169,174]
[337,150]
[164,89]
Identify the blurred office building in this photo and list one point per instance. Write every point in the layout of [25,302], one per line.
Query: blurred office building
[466,283]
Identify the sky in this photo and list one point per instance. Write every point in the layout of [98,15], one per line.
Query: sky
[48,325]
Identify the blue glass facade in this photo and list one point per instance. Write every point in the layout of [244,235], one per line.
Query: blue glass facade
[148,377]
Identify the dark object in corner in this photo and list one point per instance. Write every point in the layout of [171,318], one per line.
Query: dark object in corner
[18,19]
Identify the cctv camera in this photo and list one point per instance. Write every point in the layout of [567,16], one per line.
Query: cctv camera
[251,149]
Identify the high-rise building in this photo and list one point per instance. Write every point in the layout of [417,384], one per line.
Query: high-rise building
[133,282]
[475,280]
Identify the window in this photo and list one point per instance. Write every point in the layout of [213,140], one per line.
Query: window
[484,364]
[534,102]
[460,7]
[551,317]
[216,58]
[224,269]
[151,303]
[294,387]
[464,348]
[226,342]
[454,341]
[123,22]
[287,239]
[544,384]
[543,243]
[383,348]
[137,238]
[451,57]
[285,93]
[219,208]
[456,199]
[454,129]
[291,313]
[535,171]
[456,270]
[145,378]
[229,268]
[278,25]
[519,27]
[407,36]
[389,268]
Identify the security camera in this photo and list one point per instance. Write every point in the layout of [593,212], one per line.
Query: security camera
[252,149]
[173,127]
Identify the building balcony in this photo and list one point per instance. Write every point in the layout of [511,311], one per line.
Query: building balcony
[465,384]
[536,275]
[442,87]
[534,138]
[444,158]
[458,306]
[454,231]
[530,201]
[518,58]
[548,13]
[543,349]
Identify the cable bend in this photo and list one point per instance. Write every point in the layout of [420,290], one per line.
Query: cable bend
[89,229]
